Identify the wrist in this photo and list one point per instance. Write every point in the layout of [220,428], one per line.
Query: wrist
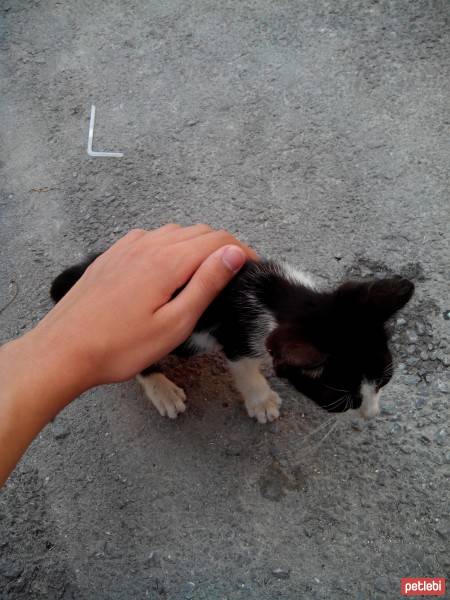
[41,374]
[36,382]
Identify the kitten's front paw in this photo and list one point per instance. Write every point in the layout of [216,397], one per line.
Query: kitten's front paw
[165,395]
[171,401]
[266,409]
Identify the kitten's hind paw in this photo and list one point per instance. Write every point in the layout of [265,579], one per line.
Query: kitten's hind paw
[267,409]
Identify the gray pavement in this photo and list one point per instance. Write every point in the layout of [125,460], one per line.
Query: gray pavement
[318,133]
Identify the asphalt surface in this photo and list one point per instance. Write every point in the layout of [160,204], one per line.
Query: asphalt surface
[318,133]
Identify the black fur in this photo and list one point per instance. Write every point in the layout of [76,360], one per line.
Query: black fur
[68,278]
[324,343]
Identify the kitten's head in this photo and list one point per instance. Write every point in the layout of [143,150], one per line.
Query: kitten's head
[336,349]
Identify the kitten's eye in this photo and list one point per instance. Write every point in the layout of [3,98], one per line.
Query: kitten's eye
[314,372]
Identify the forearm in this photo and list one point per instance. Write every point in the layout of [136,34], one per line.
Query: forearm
[38,379]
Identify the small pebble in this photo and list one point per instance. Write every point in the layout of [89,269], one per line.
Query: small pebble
[401,321]
[412,336]
[232,451]
[381,479]
[420,328]
[424,390]
[10,570]
[420,402]
[153,560]
[442,386]
[412,379]
[59,431]
[381,584]
[443,529]
[411,360]
[396,428]
[281,573]
[444,358]
[446,315]
[188,590]
[440,437]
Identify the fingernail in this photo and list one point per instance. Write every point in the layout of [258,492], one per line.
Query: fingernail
[233,257]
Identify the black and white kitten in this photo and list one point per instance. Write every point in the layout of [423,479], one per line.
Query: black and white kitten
[332,345]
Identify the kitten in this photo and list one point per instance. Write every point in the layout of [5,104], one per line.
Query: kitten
[331,345]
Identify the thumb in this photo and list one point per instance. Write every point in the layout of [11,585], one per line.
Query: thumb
[205,284]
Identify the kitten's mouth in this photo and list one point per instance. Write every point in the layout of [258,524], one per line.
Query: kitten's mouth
[370,407]
[332,398]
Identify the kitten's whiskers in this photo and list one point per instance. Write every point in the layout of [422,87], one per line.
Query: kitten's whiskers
[335,402]
[330,387]
[314,431]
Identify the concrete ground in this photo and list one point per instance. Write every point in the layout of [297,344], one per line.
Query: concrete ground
[315,131]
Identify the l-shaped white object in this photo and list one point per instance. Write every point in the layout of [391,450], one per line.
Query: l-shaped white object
[91,137]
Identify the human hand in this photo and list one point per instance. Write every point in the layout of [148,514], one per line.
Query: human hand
[116,320]
[119,317]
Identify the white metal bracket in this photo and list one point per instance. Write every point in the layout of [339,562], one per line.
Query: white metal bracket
[91,137]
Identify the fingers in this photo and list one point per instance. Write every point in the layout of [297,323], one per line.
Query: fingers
[181,249]
[185,257]
[134,235]
[205,244]
[162,232]
[176,234]
[209,279]
[195,251]
[184,233]
[184,249]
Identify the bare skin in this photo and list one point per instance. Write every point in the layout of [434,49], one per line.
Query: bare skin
[116,320]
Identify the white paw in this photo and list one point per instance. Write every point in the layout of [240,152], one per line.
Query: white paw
[170,402]
[267,409]
[165,395]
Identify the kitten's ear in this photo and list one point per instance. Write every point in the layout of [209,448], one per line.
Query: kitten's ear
[381,297]
[288,348]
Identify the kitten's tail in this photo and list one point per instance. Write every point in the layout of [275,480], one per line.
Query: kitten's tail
[65,280]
